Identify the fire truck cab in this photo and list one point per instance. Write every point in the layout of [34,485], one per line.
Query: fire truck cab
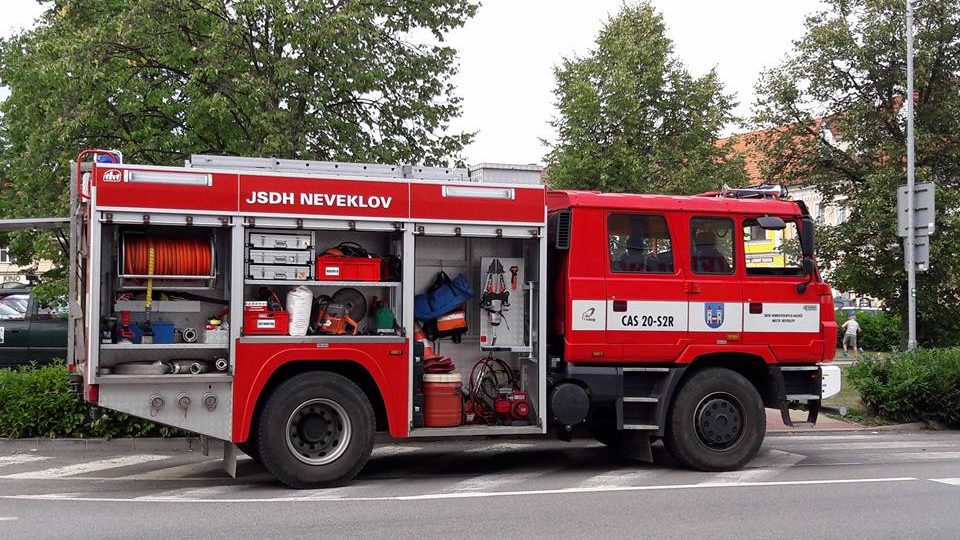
[294,308]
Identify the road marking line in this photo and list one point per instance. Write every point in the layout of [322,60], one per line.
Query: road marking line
[383,451]
[619,477]
[18,459]
[950,481]
[8,518]
[474,495]
[88,467]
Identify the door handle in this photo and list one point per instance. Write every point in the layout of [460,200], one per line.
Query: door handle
[691,288]
[619,306]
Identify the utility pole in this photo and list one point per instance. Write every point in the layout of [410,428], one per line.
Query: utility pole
[910,243]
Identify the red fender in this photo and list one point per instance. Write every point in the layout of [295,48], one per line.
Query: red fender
[257,362]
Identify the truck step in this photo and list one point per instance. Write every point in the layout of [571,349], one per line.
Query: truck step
[647,427]
[641,400]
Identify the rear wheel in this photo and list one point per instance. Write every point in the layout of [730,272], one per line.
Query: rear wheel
[315,430]
[717,421]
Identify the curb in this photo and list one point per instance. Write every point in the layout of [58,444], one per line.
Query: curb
[913,426]
[154,444]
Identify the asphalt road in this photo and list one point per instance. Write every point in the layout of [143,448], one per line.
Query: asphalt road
[850,485]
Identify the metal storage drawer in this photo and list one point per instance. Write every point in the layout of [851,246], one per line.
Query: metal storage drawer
[271,271]
[281,241]
[280,256]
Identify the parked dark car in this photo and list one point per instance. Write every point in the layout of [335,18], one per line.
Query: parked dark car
[30,331]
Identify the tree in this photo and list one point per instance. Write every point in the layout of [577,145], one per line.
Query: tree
[632,118]
[838,102]
[162,79]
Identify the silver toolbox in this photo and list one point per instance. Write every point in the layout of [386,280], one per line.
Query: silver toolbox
[287,272]
[281,240]
[280,256]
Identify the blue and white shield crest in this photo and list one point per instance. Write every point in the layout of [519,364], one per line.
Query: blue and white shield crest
[713,314]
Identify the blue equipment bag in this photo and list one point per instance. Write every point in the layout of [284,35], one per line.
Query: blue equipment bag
[442,297]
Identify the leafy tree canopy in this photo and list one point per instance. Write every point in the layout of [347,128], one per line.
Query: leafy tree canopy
[840,95]
[355,80]
[633,119]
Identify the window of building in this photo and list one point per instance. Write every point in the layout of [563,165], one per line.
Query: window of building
[783,259]
[755,234]
[5,255]
[639,243]
[711,246]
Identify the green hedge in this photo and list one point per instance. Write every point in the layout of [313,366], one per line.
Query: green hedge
[921,385]
[880,331]
[36,402]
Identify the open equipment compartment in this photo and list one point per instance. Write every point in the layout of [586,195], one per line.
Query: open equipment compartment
[297,257]
[502,396]
[186,285]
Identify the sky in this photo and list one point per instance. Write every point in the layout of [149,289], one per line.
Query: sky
[508,51]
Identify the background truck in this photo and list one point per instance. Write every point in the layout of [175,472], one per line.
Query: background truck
[295,308]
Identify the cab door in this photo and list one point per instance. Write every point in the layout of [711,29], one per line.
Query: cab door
[713,292]
[646,308]
[778,313]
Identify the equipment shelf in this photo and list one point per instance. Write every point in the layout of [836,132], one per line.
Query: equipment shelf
[177,346]
[317,283]
[323,339]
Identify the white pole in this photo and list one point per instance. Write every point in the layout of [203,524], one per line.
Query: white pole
[909,248]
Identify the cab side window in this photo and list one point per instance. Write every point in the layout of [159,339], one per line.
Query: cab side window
[711,245]
[639,243]
[14,307]
[775,253]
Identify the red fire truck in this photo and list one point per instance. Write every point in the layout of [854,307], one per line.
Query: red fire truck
[294,308]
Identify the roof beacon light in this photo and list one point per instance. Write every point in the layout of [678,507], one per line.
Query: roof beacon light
[470,192]
[177,178]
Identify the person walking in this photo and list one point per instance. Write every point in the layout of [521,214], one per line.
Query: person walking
[851,329]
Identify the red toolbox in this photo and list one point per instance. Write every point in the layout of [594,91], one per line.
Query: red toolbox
[333,268]
[257,319]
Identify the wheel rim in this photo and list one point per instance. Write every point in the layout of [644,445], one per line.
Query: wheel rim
[719,421]
[318,431]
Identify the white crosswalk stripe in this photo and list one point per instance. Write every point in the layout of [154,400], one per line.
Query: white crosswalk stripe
[393,450]
[765,466]
[193,492]
[948,481]
[620,478]
[88,467]
[879,445]
[18,459]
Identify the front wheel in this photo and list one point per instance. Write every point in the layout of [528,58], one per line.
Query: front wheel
[717,421]
[316,430]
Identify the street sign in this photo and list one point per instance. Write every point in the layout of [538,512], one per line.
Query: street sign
[921,253]
[923,210]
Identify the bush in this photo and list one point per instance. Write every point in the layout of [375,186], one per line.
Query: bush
[35,401]
[920,385]
[880,331]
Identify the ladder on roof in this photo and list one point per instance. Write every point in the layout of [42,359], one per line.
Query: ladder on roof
[763,191]
[327,168]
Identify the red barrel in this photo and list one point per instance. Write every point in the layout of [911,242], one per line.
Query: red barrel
[442,401]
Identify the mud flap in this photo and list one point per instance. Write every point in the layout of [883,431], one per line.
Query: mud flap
[230,459]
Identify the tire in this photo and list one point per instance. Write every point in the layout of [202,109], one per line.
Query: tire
[315,430]
[249,448]
[716,422]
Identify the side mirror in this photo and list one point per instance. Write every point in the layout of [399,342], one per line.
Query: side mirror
[807,266]
[771,223]
[806,238]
